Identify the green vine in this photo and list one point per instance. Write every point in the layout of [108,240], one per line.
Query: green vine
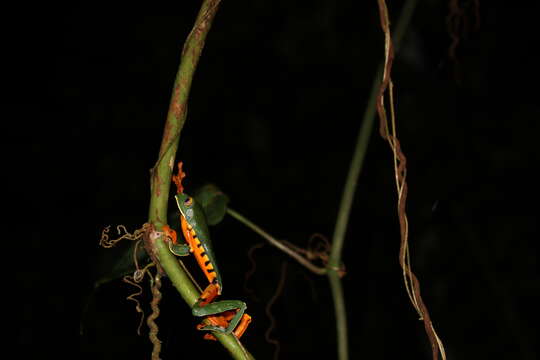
[162,171]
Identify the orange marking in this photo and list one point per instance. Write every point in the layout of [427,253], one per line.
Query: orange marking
[223,320]
[177,179]
[198,251]
[242,326]
[170,233]
[208,295]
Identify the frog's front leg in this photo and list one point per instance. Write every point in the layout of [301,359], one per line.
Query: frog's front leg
[236,320]
[176,248]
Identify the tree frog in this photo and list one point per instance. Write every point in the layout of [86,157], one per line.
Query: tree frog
[226,316]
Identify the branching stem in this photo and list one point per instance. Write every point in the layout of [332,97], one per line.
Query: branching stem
[278,244]
[162,170]
[349,191]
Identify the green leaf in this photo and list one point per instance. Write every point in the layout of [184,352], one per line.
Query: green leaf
[213,201]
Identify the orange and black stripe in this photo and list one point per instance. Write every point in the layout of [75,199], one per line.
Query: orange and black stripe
[199,249]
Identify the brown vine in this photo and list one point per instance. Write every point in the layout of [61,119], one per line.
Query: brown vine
[458,27]
[268,311]
[251,271]
[154,329]
[139,273]
[123,234]
[400,169]
[133,297]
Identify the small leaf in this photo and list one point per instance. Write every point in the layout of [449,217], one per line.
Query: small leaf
[213,201]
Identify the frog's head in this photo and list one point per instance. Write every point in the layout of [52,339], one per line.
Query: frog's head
[185,204]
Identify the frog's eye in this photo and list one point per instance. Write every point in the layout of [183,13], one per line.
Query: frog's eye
[188,201]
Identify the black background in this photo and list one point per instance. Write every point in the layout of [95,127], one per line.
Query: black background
[274,111]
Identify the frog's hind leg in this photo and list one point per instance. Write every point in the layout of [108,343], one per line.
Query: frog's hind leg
[224,321]
[231,313]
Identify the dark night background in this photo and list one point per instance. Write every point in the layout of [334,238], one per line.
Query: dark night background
[274,111]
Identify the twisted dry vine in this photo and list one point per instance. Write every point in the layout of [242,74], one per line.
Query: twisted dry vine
[268,311]
[137,278]
[412,284]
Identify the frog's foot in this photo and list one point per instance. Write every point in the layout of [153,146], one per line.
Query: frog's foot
[223,321]
[170,234]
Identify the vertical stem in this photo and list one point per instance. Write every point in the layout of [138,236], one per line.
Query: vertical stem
[341,315]
[352,178]
[362,143]
[162,170]
[176,116]
[349,189]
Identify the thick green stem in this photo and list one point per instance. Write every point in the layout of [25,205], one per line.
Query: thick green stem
[162,171]
[176,116]
[349,189]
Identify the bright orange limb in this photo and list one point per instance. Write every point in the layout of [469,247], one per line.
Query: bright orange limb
[216,320]
[208,295]
[170,233]
[178,179]
[223,321]
[242,326]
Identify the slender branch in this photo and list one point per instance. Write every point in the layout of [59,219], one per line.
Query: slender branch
[341,314]
[349,191]
[273,241]
[162,170]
